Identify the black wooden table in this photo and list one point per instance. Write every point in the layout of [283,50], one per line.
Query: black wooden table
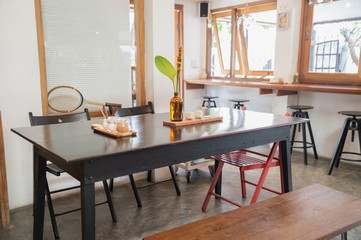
[91,157]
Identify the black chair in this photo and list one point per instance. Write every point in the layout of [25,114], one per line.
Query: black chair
[209,101]
[302,113]
[55,170]
[132,111]
[353,123]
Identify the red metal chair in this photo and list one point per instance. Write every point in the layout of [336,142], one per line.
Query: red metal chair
[246,162]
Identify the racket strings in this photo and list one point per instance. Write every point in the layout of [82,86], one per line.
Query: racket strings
[64,100]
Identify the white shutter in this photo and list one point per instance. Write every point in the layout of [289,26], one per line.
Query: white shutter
[87,46]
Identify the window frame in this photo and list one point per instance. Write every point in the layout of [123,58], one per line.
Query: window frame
[237,39]
[305,51]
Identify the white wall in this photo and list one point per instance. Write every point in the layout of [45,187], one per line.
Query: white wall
[159,35]
[19,92]
[194,49]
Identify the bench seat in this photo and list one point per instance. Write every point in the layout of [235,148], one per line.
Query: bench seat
[313,212]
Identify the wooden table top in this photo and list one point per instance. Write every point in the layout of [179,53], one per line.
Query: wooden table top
[313,212]
[74,142]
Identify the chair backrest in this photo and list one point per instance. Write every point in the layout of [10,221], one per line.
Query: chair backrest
[45,120]
[123,112]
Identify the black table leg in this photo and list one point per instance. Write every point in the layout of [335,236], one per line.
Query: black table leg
[218,188]
[39,195]
[88,210]
[286,165]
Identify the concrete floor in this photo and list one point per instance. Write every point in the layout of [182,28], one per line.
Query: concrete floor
[163,209]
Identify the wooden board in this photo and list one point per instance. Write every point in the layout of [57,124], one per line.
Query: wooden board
[185,122]
[100,128]
[4,199]
[313,212]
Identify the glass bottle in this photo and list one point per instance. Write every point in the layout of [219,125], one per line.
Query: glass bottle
[176,108]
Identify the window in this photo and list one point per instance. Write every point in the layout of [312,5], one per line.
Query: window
[243,34]
[96,53]
[331,38]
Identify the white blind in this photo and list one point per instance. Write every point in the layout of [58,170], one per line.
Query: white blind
[87,46]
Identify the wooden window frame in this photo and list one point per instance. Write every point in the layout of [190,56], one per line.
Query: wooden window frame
[237,38]
[140,56]
[305,51]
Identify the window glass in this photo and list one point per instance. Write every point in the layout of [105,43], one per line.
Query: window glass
[224,34]
[336,37]
[260,36]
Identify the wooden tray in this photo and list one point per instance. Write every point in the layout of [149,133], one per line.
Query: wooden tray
[100,128]
[185,122]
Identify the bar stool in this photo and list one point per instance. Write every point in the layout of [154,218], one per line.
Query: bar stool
[301,113]
[238,103]
[351,123]
[209,101]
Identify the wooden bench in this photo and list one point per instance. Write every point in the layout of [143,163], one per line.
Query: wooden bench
[313,212]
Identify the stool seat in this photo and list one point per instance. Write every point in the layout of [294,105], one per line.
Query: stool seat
[300,107]
[238,100]
[208,97]
[350,113]
[238,103]
[209,101]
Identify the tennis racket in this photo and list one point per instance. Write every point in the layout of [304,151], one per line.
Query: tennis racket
[66,99]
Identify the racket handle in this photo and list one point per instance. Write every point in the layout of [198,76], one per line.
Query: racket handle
[113,104]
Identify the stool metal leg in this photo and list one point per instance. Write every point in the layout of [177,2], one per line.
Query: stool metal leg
[344,236]
[343,144]
[294,127]
[339,146]
[304,138]
[359,132]
[353,127]
[311,136]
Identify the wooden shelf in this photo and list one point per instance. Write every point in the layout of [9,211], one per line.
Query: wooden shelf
[281,88]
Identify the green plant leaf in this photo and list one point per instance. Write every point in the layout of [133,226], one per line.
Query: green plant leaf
[165,67]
